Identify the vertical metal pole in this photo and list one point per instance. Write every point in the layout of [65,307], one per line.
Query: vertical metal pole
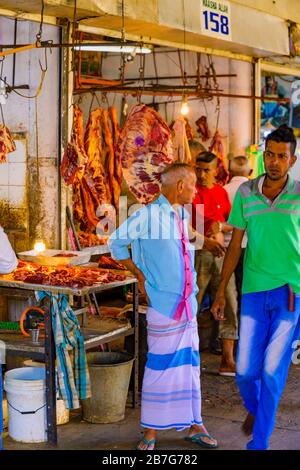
[136,345]
[257,103]
[50,377]
[14,55]
[60,141]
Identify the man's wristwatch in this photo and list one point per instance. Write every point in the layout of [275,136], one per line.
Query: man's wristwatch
[220,226]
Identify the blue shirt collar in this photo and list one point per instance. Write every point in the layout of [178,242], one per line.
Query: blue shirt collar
[180,210]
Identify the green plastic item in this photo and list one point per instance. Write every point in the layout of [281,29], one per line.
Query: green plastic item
[10,325]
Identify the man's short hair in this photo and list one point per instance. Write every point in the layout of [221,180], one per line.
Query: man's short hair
[178,169]
[206,157]
[196,147]
[283,134]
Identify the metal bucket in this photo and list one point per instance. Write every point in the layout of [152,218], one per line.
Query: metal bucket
[110,374]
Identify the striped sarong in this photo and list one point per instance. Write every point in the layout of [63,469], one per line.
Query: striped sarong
[171,394]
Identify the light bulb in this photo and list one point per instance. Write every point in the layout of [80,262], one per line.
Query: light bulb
[39,247]
[184,108]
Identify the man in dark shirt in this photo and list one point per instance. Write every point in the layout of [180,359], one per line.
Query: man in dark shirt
[216,211]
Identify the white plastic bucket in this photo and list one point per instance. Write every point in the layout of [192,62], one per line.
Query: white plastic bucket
[26,399]
[62,413]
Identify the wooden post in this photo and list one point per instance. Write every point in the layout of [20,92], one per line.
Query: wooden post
[136,344]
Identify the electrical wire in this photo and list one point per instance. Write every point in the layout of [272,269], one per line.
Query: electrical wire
[43,74]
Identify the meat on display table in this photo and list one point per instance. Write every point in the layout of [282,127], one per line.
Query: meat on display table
[18,345]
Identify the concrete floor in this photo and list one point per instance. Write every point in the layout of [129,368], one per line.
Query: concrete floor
[223,414]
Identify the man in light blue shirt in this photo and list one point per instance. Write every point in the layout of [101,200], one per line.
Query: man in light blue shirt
[163,263]
[156,252]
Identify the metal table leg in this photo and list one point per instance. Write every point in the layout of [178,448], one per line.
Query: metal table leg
[136,345]
[50,377]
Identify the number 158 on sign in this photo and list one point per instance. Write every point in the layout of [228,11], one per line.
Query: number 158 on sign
[216,23]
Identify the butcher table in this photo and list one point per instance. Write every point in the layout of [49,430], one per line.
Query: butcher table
[19,345]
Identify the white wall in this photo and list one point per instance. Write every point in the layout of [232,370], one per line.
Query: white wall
[20,117]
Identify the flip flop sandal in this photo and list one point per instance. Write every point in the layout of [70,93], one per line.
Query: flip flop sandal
[150,443]
[196,439]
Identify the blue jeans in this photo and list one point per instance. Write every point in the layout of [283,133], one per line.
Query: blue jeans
[267,333]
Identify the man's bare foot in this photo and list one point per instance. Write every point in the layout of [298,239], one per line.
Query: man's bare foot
[247,426]
[227,369]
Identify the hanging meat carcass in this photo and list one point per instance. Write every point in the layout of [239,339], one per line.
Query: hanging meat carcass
[181,150]
[108,155]
[202,128]
[89,165]
[73,169]
[93,147]
[74,158]
[7,144]
[188,130]
[216,147]
[145,149]
[112,111]
[118,174]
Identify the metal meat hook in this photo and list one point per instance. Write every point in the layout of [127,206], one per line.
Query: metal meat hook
[46,62]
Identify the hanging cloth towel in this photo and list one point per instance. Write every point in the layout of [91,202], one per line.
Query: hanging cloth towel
[67,337]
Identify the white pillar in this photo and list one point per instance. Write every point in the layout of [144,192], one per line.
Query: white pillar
[240,109]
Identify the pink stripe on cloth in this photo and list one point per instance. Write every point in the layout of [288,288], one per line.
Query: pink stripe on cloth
[184,304]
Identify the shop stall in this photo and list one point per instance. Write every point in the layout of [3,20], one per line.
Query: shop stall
[85,143]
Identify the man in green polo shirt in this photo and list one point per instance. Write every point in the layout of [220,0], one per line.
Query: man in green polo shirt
[268,207]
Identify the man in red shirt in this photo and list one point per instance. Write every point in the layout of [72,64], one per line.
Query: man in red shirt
[216,211]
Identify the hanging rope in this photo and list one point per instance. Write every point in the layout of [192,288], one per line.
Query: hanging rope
[43,74]
[184,43]
[40,32]
[72,69]
[37,140]
[1,75]
[94,97]
[104,99]
[155,66]
[2,115]
[216,88]
[123,23]
[198,79]
[74,24]
[39,89]
[142,77]
[181,68]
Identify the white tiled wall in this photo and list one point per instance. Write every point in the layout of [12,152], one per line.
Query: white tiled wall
[13,176]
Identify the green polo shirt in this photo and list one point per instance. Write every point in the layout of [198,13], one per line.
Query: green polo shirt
[272,257]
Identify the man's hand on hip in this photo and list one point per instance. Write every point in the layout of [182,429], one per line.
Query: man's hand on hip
[143,293]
